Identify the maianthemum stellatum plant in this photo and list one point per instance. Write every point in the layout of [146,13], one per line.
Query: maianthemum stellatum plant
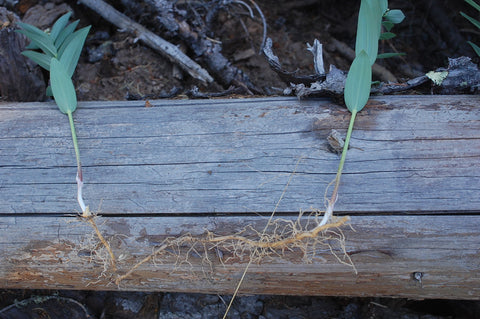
[372,16]
[59,53]
[475,22]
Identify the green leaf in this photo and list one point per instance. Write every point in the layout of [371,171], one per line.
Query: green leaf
[41,59]
[30,29]
[388,25]
[394,16]
[472,20]
[358,83]
[60,25]
[71,38]
[383,6]
[473,4]
[32,46]
[475,47]
[65,33]
[62,87]
[39,38]
[377,11]
[387,36]
[390,55]
[69,57]
[368,29]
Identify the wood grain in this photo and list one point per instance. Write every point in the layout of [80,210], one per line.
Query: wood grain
[408,154]
[410,184]
[386,250]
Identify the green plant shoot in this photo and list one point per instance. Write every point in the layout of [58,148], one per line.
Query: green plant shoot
[359,78]
[60,51]
[475,22]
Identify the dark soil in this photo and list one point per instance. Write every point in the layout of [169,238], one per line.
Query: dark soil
[23,304]
[115,66]
[133,70]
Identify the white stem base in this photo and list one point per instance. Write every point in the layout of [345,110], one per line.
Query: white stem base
[85,211]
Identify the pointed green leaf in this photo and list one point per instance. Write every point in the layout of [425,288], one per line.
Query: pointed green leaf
[388,25]
[69,57]
[383,6]
[472,20]
[387,36]
[475,47]
[390,55]
[30,29]
[71,38]
[378,13]
[62,87]
[39,38]
[60,25]
[473,4]
[65,33]
[42,43]
[394,16]
[368,28]
[41,59]
[32,46]
[358,83]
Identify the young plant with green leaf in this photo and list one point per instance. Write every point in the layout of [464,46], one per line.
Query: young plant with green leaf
[359,78]
[390,19]
[59,53]
[475,22]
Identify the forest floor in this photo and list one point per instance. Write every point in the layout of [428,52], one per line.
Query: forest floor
[115,66]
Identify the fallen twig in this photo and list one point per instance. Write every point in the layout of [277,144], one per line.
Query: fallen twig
[149,38]
[460,77]
[194,34]
[286,76]
[378,71]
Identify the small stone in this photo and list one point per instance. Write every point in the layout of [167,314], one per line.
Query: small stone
[335,142]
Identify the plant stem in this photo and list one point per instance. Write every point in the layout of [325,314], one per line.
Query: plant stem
[79,179]
[331,203]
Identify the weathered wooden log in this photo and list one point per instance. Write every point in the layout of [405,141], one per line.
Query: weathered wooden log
[183,167]
[400,256]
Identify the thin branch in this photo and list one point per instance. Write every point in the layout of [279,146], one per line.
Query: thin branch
[149,38]
[194,35]
[286,76]
[379,71]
